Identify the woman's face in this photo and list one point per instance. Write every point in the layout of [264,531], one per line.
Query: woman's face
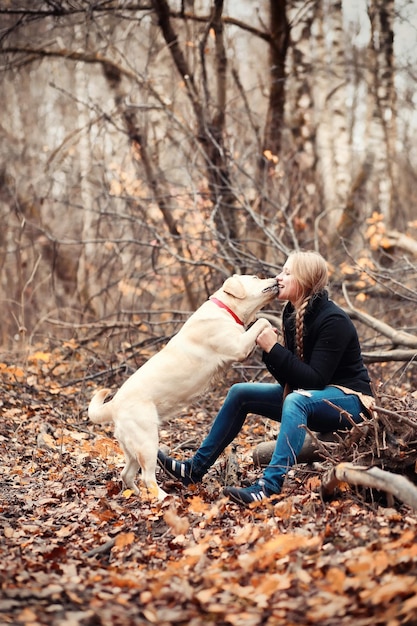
[289,288]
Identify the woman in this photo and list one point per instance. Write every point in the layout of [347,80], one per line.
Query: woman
[318,359]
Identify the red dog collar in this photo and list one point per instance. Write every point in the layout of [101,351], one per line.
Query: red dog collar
[222,305]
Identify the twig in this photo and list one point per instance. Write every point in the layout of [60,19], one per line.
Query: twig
[105,547]
[321,448]
[401,418]
[345,414]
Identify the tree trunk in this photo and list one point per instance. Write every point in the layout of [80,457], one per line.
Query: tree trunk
[381,127]
[300,98]
[142,157]
[88,260]
[274,122]
[333,138]
[270,158]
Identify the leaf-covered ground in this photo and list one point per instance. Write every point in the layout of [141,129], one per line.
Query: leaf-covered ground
[78,550]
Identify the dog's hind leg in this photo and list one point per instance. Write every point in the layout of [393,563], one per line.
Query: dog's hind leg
[130,470]
[139,440]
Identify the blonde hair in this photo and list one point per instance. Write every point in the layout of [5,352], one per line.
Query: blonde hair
[310,271]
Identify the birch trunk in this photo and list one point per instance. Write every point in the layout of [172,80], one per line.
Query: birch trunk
[381,127]
[333,141]
[87,265]
[300,99]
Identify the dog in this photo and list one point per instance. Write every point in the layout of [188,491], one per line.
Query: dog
[223,330]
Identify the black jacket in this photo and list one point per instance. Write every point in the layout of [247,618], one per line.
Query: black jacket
[332,354]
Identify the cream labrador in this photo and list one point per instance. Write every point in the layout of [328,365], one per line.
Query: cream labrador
[215,336]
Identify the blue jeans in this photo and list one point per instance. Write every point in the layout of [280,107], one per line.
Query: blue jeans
[307,408]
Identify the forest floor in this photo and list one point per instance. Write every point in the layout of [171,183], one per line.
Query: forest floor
[78,550]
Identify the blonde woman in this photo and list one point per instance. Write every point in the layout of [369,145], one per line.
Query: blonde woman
[317,358]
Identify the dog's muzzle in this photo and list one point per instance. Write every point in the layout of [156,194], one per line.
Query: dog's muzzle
[274,288]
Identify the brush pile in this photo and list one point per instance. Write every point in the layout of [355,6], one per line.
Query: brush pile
[380,453]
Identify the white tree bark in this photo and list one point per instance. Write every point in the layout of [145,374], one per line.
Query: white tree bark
[300,104]
[330,95]
[381,115]
[88,260]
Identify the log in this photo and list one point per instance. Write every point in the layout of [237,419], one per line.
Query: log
[373,478]
[310,451]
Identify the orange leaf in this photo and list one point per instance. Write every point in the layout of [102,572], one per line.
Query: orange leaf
[198,505]
[124,539]
[336,578]
[40,356]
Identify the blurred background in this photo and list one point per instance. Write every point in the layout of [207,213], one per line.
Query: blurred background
[149,149]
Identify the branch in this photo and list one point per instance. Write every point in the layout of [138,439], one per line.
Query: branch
[400,240]
[60,11]
[385,356]
[397,416]
[373,478]
[161,8]
[102,549]
[134,7]
[398,337]
[71,55]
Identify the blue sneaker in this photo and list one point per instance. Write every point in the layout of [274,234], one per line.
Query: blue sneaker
[248,495]
[177,470]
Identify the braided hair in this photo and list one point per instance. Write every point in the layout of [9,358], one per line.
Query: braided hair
[310,271]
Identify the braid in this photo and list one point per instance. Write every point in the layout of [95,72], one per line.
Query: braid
[299,327]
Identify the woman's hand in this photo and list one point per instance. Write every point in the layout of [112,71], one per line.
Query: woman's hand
[267,339]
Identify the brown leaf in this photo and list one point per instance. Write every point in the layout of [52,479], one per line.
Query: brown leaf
[179,525]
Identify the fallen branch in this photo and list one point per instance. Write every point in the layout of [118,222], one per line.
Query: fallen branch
[398,337]
[373,478]
[387,356]
[103,549]
[400,240]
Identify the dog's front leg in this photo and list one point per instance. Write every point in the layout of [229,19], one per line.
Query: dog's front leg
[147,452]
[248,338]
[149,478]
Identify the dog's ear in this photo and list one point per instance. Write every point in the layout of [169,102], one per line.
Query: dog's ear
[234,287]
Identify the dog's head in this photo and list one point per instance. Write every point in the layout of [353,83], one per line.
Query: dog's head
[246,294]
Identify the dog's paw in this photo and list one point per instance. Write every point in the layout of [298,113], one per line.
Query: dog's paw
[156,492]
[262,324]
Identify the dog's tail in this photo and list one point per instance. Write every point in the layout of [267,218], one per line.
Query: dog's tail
[98,412]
